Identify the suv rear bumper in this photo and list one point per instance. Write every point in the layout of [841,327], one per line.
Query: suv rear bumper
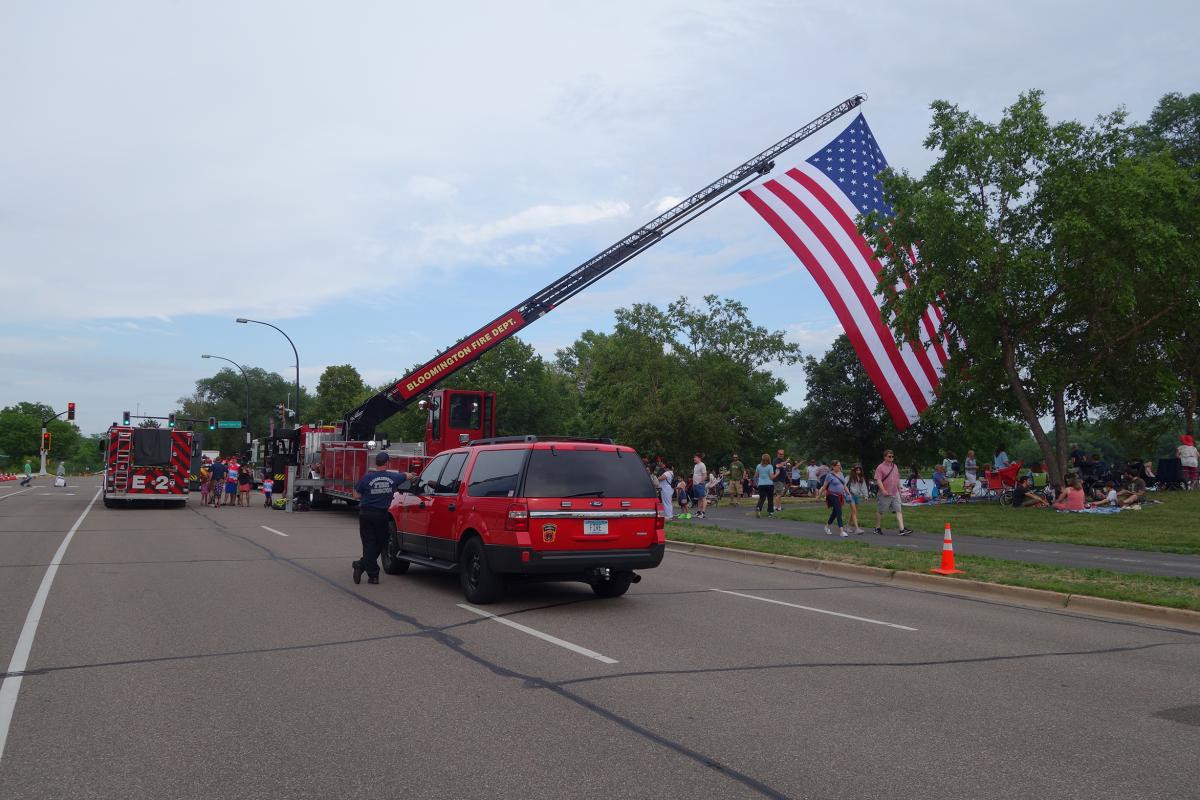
[509,560]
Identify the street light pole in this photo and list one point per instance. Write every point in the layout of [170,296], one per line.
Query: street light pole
[243,320]
[244,378]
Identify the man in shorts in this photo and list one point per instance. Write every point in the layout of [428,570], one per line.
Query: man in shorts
[782,469]
[737,472]
[699,482]
[887,480]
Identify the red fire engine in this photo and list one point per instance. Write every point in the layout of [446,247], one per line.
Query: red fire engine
[343,454]
[146,464]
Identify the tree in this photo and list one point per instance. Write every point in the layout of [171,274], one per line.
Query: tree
[339,391]
[674,381]
[530,396]
[149,423]
[21,432]
[224,396]
[1174,129]
[1057,252]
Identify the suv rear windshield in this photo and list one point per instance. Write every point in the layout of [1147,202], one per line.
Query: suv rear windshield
[586,473]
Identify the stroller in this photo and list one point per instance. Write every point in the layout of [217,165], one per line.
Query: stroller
[1000,483]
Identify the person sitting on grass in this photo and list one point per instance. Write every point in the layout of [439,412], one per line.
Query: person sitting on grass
[1106,498]
[1026,497]
[941,483]
[1073,497]
[1134,492]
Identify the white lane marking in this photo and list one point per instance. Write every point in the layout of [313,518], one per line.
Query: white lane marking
[14,494]
[818,610]
[272,530]
[20,658]
[574,648]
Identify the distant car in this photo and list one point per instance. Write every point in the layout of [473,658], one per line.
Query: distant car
[530,508]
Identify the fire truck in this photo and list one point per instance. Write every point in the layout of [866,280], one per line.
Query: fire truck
[329,462]
[144,465]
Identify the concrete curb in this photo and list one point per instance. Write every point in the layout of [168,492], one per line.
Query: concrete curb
[1041,598]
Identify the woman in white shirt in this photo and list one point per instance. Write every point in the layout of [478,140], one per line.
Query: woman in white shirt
[1188,457]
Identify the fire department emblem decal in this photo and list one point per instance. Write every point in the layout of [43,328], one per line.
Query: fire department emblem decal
[549,531]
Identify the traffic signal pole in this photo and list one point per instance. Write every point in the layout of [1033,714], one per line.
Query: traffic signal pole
[70,412]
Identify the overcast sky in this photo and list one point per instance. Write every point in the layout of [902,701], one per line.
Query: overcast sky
[379,178]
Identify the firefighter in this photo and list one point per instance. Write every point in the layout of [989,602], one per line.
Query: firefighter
[374,491]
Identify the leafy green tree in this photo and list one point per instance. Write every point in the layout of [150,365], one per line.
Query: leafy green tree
[1057,252]
[339,391]
[224,396]
[1174,129]
[21,434]
[678,380]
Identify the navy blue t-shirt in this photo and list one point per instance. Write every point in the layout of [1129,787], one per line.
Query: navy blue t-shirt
[376,488]
[219,470]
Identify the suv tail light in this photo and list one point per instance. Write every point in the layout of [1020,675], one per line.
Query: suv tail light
[660,524]
[518,518]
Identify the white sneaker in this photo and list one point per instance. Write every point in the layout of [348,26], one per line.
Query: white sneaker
[827,531]
[843,534]
[859,530]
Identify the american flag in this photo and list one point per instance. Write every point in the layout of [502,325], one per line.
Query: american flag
[813,207]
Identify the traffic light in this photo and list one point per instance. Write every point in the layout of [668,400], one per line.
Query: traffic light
[171,420]
[70,411]
[46,441]
[125,418]
[212,423]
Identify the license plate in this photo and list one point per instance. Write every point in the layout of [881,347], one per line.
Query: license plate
[595,527]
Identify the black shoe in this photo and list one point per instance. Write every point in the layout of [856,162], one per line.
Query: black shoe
[358,571]
[905,531]
[372,579]
[878,531]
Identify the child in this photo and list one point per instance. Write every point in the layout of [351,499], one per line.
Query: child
[204,478]
[681,494]
[1110,497]
[244,487]
[268,486]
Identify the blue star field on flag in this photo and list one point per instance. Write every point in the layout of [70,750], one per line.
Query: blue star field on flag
[852,161]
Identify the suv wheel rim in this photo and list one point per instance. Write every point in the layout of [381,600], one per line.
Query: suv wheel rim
[473,570]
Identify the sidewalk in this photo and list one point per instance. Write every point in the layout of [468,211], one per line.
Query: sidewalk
[1052,553]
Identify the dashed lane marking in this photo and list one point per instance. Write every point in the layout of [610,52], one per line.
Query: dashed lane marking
[818,610]
[574,648]
[272,530]
[14,494]
[20,658]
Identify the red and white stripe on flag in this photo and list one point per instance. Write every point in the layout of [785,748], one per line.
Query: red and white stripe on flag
[816,219]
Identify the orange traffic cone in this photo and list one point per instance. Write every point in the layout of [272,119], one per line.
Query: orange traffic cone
[947,567]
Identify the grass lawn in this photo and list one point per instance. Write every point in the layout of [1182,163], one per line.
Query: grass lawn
[1154,590]
[1172,527]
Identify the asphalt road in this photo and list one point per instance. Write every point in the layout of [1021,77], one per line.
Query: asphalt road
[196,654]
[1053,553]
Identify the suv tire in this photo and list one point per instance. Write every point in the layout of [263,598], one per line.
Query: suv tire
[393,565]
[615,586]
[479,583]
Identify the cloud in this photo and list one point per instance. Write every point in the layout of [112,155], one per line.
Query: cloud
[665,204]
[814,336]
[424,187]
[542,218]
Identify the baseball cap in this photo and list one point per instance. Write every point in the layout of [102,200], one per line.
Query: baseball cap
[382,458]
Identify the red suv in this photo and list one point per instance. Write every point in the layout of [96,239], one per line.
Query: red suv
[530,507]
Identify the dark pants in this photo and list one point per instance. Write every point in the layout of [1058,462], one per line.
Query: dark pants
[767,494]
[834,502]
[373,530]
[25,481]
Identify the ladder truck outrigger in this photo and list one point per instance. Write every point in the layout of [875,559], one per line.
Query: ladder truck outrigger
[328,460]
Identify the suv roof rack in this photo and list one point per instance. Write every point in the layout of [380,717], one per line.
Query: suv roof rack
[528,438]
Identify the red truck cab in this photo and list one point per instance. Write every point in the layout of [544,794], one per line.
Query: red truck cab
[525,507]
